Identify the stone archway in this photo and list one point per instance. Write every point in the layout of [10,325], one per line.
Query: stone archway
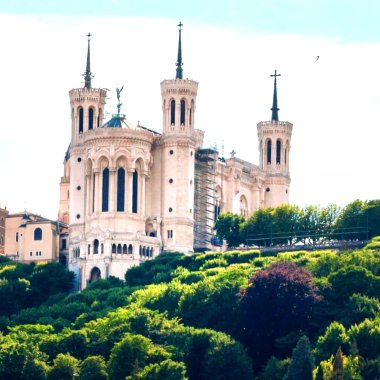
[95,274]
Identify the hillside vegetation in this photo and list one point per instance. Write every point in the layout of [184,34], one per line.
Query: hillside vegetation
[233,315]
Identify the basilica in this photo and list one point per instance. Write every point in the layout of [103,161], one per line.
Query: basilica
[129,193]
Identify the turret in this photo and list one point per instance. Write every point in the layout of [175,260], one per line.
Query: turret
[178,142]
[274,145]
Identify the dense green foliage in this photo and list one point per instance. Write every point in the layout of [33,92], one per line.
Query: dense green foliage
[232,315]
[289,224]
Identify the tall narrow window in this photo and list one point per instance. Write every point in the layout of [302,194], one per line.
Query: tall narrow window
[269,152]
[80,120]
[90,118]
[278,152]
[120,189]
[285,156]
[96,246]
[105,190]
[183,110]
[190,115]
[16,236]
[172,112]
[38,234]
[135,188]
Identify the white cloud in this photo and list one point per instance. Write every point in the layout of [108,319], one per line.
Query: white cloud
[333,102]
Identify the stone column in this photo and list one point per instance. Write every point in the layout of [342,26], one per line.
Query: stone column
[142,192]
[128,189]
[88,193]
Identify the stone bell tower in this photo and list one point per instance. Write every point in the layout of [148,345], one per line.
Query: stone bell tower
[87,108]
[178,143]
[274,145]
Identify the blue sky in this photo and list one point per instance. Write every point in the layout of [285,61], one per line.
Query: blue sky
[348,20]
[230,48]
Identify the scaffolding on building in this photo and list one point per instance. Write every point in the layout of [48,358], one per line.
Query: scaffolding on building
[204,198]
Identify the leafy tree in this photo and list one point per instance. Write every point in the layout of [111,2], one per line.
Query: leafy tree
[352,222]
[367,337]
[358,308]
[65,367]
[259,228]
[335,336]
[167,369]
[302,364]
[278,301]
[93,368]
[132,351]
[228,227]
[226,360]
[275,369]
[18,361]
[349,280]
[49,279]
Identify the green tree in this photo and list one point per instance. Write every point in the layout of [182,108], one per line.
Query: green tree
[228,227]
[275,369]
[132,352]
[167,369]
[352,222]
[349,280]
[65,367]
[259,228]
[302,364]
[334,337]
[93,368]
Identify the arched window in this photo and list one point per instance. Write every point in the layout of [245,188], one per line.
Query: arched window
[125,249]
[269,151]
[90,118]
[119,248]
[120,189]
[135,188]
[96,246]
[278,152]
[113,248]
[38,234]
[183,110]
[172,112]
[95,274]
[80,120]
[130,249]
[105,190]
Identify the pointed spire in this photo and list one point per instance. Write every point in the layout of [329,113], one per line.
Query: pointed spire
[274,108]
[87,75]
[179,74]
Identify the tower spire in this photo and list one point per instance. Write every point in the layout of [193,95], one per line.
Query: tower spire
[179,74]
[274,108]
[87,74]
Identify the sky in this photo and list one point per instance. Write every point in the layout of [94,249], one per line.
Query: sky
[231,48]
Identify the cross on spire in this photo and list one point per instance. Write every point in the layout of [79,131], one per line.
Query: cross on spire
[274,108]
[179,71]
